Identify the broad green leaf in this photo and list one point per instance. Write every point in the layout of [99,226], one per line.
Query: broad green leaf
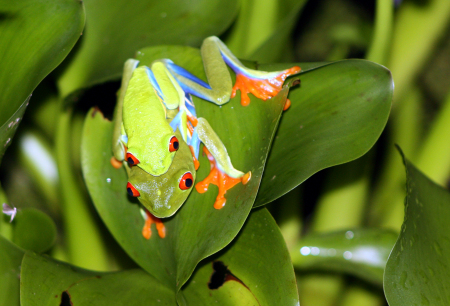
[33,230]
[197,230]
[254,269]
[10,261]
[336,115]
[36,35]
[417,272]
[360,252]
[45,281]
[115,31]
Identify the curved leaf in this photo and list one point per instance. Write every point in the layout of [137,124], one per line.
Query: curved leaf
[337,114]
[36,36]
[10,261]
[417,272]
[45,281]
[197,230]
[360,252]
[115,32]
[8,129]
[254,269]
[33,230]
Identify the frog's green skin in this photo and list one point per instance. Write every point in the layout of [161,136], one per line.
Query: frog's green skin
[161,195]
[151,106]
[144,121]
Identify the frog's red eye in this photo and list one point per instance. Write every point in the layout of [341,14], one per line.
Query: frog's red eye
[173,144]
[132,161]
[132,191]
[186,181]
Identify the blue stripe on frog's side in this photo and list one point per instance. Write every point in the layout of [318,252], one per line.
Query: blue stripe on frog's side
[155,84]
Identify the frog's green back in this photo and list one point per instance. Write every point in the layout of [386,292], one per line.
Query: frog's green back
[144,119]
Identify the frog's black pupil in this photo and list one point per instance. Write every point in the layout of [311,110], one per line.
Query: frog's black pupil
[130,161]
[188,183]
[175,145]
[130,192]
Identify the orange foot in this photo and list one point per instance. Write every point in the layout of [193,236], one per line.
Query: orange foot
[262,89]
[221,180]
[147,229]
[116,163]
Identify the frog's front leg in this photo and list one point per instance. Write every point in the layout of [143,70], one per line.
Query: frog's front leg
[118,145]
[222,173]
[149,220]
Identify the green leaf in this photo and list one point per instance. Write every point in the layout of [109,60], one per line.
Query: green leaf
[45,281]
[115,32]
[336,115]
[417,272]
[33,230]
[8,129]
[36,36]
[197,230]
[360,252]
[255,269]
[10,261]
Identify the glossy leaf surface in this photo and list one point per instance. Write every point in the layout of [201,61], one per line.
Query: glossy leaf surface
[115,32]
[359,252]
[10,261]
[8,129]
[33,230]
[197,230]
[255,269]
[45,281]
[36,36]
[337,113]
[417,272]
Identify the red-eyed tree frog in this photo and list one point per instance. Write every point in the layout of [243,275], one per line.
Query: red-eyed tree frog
[157,134]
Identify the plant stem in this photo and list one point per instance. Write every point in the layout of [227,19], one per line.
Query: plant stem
[381,40]
[340,207]
[343,202]
[320,289]
[417,30]
[434,156]
[357,295]
[256,22]
[289,217]
[389,193]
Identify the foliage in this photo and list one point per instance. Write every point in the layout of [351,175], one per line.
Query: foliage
[76,238]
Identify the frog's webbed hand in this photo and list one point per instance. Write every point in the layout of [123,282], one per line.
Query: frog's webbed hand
[118,133]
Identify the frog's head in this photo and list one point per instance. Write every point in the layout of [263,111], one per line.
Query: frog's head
[154,159]
[163,195]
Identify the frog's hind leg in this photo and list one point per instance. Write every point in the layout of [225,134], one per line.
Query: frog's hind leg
[222,173]
[149,220]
